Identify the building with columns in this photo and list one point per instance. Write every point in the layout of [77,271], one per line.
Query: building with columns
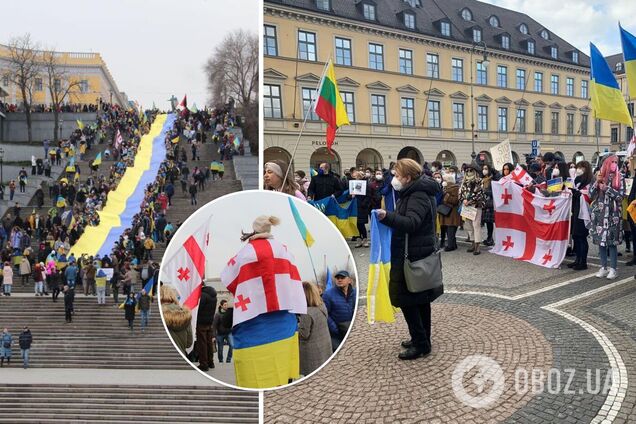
[426,79]
[89,69]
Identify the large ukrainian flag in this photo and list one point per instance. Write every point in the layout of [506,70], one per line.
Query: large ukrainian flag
[607,100]
[629,58]
[266,350]
[379,306]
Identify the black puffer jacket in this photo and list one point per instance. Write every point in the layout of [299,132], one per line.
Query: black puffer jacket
[325,185]
[207,306]
[413,215]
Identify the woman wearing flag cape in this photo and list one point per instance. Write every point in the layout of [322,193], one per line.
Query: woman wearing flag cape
[268,293]
[413,217]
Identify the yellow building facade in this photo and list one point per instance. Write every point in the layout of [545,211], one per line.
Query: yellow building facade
[88,69]
[409,93]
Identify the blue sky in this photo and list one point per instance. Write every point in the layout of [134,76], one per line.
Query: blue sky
[153,48]
[580,22]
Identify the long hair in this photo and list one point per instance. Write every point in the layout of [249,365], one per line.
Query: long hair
[289,185]
[606,172]
[312,294]
[587,176]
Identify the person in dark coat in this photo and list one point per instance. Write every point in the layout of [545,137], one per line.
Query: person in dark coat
[488,212]
[129,310]
[25,341]
[324,184]
[69,299]
[414,215]
[582,182]
[222,325]
[205,330]
[365,204]
[450,222]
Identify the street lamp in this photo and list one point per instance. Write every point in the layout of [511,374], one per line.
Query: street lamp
[484,62]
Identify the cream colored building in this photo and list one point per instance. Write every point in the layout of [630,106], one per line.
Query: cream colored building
[620,135]
[88,69]
[404,69]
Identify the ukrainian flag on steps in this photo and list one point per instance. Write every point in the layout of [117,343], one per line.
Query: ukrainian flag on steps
[629,58]
[266,350]
[607,100]
[379,308]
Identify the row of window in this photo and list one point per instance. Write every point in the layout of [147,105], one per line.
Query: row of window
[343,56]
[307,43]
[39,86]
[273,109]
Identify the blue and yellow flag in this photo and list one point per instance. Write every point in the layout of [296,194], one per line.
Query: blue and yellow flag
[98,159]
[266,350]
[329,281]
[313,172]
[379,308]
[302,228]
[343,215]
[607,100]
[628,41]
[60,202]
[555,184]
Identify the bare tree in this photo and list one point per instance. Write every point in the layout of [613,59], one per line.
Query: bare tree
[59,83]
[233,71]
[25,68]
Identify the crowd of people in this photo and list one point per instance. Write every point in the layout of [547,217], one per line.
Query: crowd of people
[49,108]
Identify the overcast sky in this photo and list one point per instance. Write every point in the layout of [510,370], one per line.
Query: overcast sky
[153,48]
[580,22]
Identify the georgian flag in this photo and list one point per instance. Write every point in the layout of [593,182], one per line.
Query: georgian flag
[185,271]
[531,227]
[521,176]
[263,278]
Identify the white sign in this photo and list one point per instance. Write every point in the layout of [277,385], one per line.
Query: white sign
[358,187]
[628,185]
[469,212]
[501,154]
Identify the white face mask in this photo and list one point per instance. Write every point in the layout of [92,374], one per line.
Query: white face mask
[485,172]
[444,184]
[379,177]
[555,172]
[439,180]
[579,172]
[396,184]
[367,174]
[393,172]
[433,168]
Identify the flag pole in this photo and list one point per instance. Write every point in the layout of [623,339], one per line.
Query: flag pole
[311,259]
[302,128]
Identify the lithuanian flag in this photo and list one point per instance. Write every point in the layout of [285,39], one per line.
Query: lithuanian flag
[329,105]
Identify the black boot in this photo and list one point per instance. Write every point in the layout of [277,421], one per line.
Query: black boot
[574,264]
[476,250]
[407,344]
[415,352]
[471,249]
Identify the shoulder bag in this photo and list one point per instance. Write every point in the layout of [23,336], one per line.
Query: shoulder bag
[423,274]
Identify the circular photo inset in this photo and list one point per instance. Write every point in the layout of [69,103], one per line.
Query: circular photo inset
[258,289]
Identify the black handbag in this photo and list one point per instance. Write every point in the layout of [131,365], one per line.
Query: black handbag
[423,274]
[444,209]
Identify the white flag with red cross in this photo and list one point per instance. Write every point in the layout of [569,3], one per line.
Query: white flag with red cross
[185,271]
[118,139]
[531,227]
[263,278]
[521,176]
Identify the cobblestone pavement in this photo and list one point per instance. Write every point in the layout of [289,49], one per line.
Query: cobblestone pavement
[564,340]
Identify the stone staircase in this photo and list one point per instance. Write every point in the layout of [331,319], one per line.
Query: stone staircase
[125,404]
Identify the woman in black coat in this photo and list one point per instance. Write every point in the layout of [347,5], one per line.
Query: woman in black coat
[579,232]
[413,216]
[364,209]
[130,306]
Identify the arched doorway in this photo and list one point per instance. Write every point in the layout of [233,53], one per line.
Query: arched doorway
[515,158]
[322,155]
[411,152]
[560,155]
[272,153]
[484,157]
[578,157]
[369,158]
[447,158]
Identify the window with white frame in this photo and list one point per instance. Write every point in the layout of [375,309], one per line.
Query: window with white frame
[343,51]
[482,74]
[521,120]
[554,123]
[409,20]
[407,106]
[554,84]
[531,47]
[457,69]
[544,34]
[322,4]
[376,56]
[538,122]
[502,119]
[272,101]
[554,52]
[502,76]
[270,41]
[482,117]
[521,79]
[584,93]
[570,124]
[538,82]
[406,61]
[476,35]
[38,84]
[432,65]
[309,96]
[378,109]
[369,11]
[306,45]
[458,116]
[434,114]
[569,87]
[467,15]
[494,21]
[505,42]
[445,27]
[523,28]
[584,124]
[347,99]
[575,57]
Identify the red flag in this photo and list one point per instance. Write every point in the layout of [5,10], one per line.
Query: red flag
[185,271]
[184,102]
[263,278]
